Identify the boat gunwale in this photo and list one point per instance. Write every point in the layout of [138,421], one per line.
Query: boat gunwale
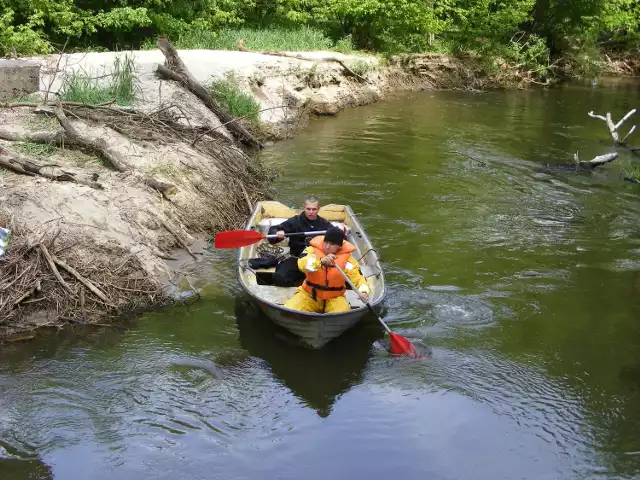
[312,315]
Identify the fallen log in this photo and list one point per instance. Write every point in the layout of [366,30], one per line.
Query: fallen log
[43,137]
[175,69]
[76,140]
[602,159]
[23,165]
[596,161]
[97,146]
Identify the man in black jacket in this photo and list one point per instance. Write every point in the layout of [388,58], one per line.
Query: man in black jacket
[287,273]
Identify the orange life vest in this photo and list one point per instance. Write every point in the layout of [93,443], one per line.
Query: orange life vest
[326,283]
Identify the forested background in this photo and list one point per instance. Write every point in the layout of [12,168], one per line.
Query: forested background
[534,33]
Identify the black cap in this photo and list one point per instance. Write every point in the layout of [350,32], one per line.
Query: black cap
[334,235]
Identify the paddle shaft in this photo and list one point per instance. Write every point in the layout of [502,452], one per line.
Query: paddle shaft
[298,234]
[348,280]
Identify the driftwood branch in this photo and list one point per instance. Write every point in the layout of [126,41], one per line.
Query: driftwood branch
[325,59]
[55,73]
[53,268]
[68,136]
[14,135]
[619,124]
[82,280]
[179,239]
[36,288]
[613,128]
[596,161]
[23,165]
[624,139]
[101,106]
[97,146]
[166,189]
[74,139]
[175,69]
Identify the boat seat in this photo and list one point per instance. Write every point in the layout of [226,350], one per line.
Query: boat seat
[279,295]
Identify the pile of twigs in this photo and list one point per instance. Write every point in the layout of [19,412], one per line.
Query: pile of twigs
[46,270]
[246,178]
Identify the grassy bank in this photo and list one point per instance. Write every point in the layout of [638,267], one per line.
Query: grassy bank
[117,85]
[298,39]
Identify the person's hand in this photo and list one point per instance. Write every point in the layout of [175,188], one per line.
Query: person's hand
[280,235]
[364,297]
[328,260]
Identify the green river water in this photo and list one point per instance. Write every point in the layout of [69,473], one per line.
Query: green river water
[523,279]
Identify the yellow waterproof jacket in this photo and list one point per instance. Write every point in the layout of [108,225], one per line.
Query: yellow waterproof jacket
[324,283]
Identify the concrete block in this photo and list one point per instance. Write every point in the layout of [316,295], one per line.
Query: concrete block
[18,78]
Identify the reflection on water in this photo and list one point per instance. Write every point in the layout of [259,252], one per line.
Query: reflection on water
[327,373]
[522,279]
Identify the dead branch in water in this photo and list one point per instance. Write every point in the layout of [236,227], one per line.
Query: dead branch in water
[596,161]
[175,69]
[613,128]
[25,166]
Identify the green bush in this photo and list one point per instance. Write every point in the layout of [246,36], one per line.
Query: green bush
[517,31]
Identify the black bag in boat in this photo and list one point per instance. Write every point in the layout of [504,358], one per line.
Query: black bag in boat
[266,262]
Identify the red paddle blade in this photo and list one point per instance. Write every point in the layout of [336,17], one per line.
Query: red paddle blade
[402,346]
[237,238]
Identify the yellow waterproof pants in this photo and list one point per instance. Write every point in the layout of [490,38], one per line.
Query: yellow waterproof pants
[304,302]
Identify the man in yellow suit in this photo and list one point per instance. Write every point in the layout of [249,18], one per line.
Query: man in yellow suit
[324,287]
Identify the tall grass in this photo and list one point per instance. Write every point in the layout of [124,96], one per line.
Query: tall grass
[299,39]
[123,85]
[236,101]
[80,87]
[120,86]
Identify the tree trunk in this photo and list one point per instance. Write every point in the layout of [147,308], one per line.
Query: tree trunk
[175,69]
